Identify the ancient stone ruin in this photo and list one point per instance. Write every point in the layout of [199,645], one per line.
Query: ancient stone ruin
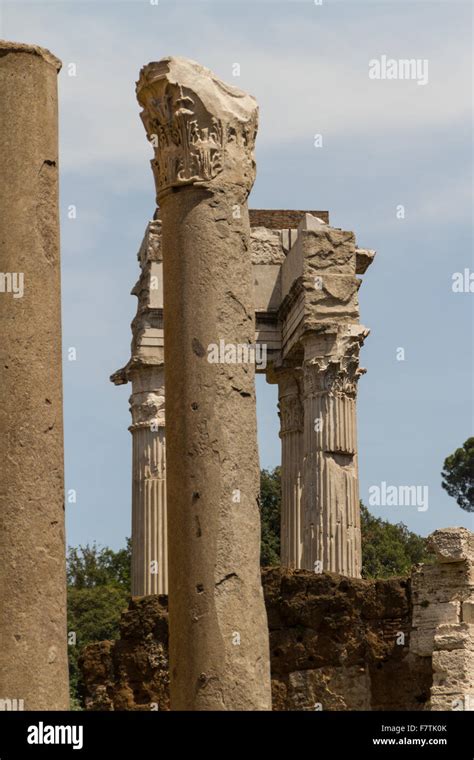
[336,643]
[223,293]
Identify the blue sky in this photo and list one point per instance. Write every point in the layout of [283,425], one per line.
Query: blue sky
[385,143]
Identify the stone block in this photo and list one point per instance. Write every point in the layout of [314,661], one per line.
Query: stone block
[336,688]
[328,250]
[432,615]
[453,671]
[422,641]
[452,544]
[468,611]
[442,582]
[458,636]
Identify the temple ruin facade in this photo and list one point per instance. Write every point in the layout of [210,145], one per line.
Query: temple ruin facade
[307,340]
[223,293]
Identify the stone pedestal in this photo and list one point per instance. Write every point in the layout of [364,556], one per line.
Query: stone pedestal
[33,636]
[203,132]
[149,524]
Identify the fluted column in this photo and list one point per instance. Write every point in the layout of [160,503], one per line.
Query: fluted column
[331,519]
[149,523]
[204,131]
[291,434]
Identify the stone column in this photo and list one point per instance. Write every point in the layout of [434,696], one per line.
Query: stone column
[203,131]
[33,648]
[145,370]
[331,519]
[149,524]
[291,434]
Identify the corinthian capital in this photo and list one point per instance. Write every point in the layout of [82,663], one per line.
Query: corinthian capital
[203,130]
[290,411]
[148,409]
[338,377]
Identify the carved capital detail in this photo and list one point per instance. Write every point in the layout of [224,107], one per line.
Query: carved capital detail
[147,409]
[338,377]
[290,411]
[199,127]
[150,249]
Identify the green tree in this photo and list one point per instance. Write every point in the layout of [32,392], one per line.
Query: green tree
[90,566]
[270,500]
[98,592]
[458,475]
[388,549]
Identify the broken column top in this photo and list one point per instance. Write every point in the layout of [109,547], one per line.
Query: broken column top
[203,130]
[7,46]
[452,544]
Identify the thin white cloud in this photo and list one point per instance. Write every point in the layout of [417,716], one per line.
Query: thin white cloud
[307,80]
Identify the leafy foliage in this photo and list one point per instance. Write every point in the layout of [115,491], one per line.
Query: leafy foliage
[90,566]
[270,500]
[389,549]
[98,591]
[458,475]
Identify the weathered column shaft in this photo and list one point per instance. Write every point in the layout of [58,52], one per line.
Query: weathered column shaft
[204,169]
[331,487]
[149,524]
[291,434]
[33,641]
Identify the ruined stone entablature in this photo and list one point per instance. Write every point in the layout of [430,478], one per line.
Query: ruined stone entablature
[179,100]
[266,246]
